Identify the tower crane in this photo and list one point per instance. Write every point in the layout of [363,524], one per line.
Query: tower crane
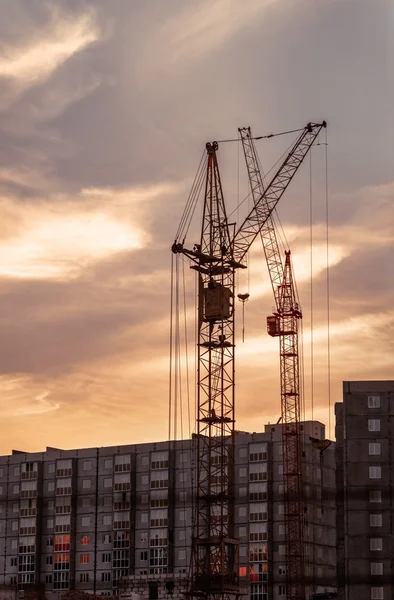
[220,252]
[284,324]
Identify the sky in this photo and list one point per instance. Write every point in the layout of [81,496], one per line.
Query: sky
[105,109]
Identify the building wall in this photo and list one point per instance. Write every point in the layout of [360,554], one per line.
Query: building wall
[88,518]
[365,460]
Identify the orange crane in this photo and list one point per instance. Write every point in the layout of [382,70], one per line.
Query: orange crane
[220,252]
[284,324]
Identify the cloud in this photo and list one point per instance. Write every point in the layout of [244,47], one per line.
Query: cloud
[61,237]
[49,49]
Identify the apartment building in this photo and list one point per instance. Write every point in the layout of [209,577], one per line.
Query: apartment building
[365,486]
[105,519]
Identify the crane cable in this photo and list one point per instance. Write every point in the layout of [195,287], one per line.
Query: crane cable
[311,280]
[328,288]
[191,202]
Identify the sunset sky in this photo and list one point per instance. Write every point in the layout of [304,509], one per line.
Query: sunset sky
[105,108]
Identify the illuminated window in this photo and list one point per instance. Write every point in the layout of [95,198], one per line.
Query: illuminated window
[242,571]
[377,593]
[62,543]
[84,559]
[85,540]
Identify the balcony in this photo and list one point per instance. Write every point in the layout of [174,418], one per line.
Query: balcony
[66,491]
[28,512]
[121,525]
[122,468]
[122,487]
[25,475]
[64,472]
[28,493]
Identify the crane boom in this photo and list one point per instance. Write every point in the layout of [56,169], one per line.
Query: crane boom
[283,324]
[216,258]
[263,207]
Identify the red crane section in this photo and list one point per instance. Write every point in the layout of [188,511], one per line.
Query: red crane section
[284,324]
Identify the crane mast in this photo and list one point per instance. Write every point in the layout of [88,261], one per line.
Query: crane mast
[215,550]
[284,324]
[216,257]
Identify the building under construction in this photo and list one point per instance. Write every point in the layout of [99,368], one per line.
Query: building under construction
[119,519]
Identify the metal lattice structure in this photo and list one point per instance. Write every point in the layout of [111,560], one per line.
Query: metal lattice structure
[215,550]
[284,324]
[217,256]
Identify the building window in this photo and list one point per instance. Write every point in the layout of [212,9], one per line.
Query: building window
[48,578]
[280,472]
[85,521]
[183,476]
[282,590]
[375,544]
[106,577]
[108,482]
[242,512]
[14,526]
[14,562]
[144,555]
[373,401]
[375,448]
[86,465]
[281,529]
[16,471]
[84,559]
[51,468]
[376,568]
[49,559]
[106,539]
[373,424]
[85,502]
[183,457]
[282,569]
[375,496]
[143,536]
[106,557]
[144,498]
[84,577]
[62,543]
[182,554]
[145,460]
[144,517]
[144,479]
[375,520]
[14,544]
[282,549]
[242,472]
[108,463]
[15,489]
[51,486]
[375,472]
[107,519]
[377,593]
[181,534]
[86,483]
[85,540]
[241,532]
